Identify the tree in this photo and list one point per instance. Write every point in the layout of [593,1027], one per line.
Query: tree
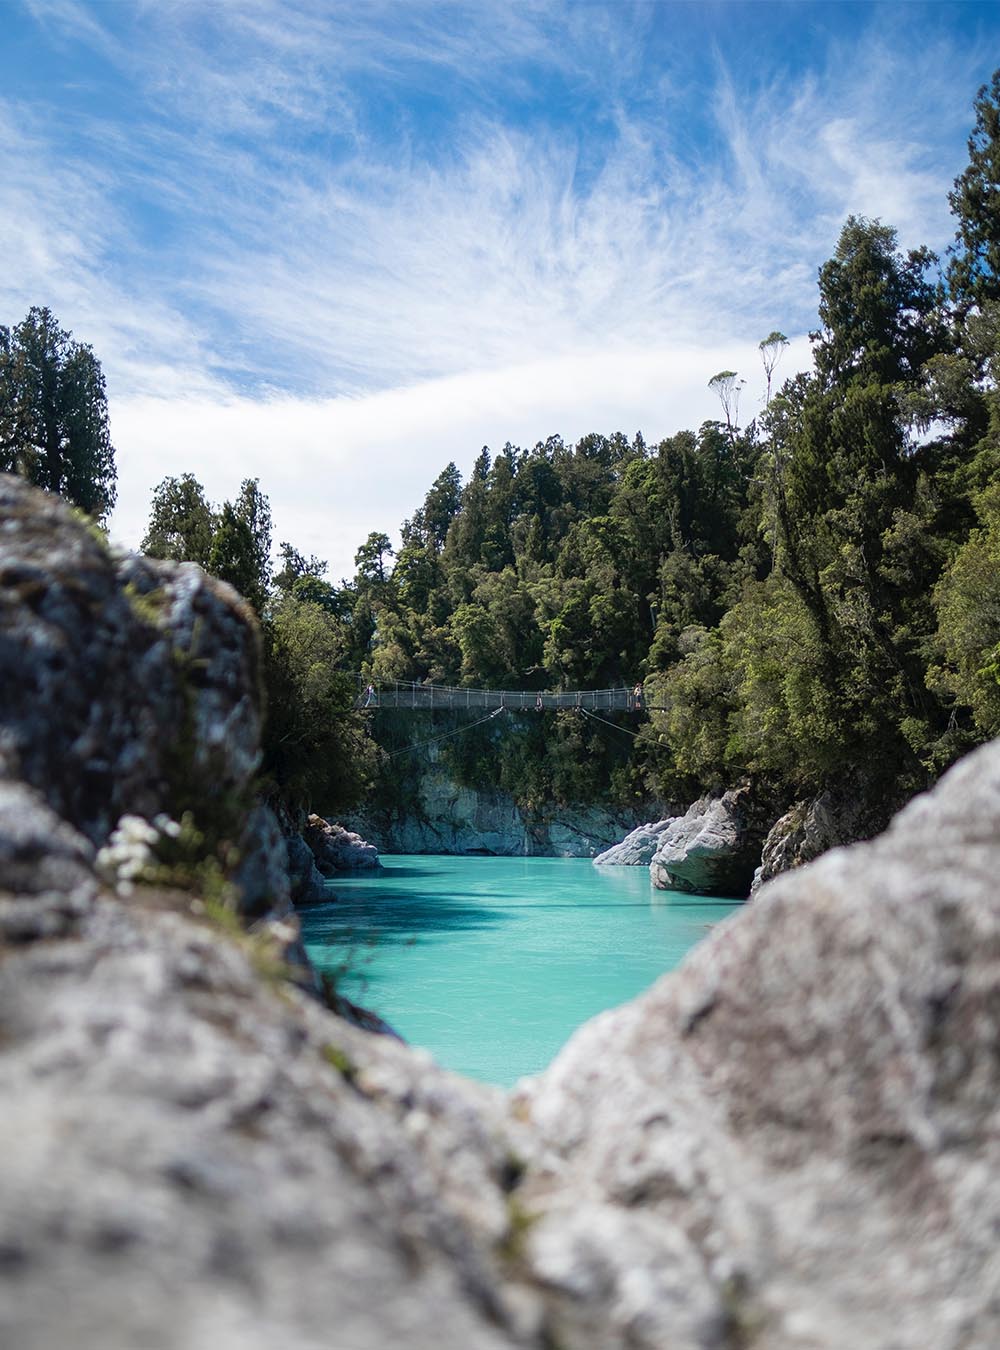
[182,524]
[54,414]
[974,270]
[370,559]
[771,349]
[727,384]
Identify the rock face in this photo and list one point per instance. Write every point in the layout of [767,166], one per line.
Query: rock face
[338,850]
[126,685]
[795,1141]
[713,849]
[792,1143]
[454,819]
[638,848]
[809,828]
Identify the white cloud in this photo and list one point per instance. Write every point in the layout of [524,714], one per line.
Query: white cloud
[393,304]
[337,469]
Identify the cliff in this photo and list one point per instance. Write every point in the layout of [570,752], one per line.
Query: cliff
[793,1141]
[449,818]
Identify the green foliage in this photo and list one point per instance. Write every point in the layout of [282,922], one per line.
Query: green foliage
[315,750]
[967,601]
[181,522]
[54,414]
[974,271]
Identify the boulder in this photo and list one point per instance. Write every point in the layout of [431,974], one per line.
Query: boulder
[794,1141]
[128,687]
[638,848]
[338,850]
[713,849]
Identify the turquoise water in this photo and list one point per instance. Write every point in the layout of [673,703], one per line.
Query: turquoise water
[492,963]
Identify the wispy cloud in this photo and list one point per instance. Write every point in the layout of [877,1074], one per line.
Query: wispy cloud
[291,216]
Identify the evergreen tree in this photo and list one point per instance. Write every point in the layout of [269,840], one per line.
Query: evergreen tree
[54,414]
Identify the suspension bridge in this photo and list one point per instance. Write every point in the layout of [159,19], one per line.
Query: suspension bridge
[413,697]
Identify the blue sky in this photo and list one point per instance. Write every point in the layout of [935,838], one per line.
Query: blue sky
[336,245]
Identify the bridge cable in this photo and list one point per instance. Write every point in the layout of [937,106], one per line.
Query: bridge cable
[636,735]
[394,754]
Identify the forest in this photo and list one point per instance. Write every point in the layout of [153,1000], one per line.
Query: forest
[810,600]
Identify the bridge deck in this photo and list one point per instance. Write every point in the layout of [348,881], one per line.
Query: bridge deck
[428,697]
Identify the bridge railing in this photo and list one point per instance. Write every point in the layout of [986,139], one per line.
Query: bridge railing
[429,697]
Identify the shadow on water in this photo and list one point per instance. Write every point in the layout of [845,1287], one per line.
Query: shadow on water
[400,920]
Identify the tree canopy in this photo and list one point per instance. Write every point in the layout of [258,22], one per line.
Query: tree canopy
[54,414]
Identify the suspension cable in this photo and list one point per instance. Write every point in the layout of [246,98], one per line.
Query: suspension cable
[446,736]
[636,735]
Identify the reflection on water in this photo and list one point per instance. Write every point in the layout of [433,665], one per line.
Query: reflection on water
[491,963]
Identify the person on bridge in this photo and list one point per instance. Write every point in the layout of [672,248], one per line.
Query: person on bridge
[637,696]
[370,695]
[538,704]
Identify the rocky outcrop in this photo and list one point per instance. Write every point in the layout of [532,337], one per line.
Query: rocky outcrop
[810,828]
[129,686]
[194,1154]
[714,848]
[795,1140]
[338,850]
[636,849]
[448,818]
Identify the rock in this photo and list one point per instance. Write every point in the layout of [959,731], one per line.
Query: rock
[713,849]
[452,819]
[194,1154]
[794,1141]
[305,878]
[128,687]
[338,850]
[262,871]
[809,828]
[636,849]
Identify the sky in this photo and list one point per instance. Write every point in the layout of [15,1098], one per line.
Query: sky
[335,246]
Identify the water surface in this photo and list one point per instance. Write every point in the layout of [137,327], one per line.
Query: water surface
[492,963]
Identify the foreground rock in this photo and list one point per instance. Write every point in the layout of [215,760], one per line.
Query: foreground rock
[795,1141]
[128,686]
[636,849]
[713,849]
[194,1154]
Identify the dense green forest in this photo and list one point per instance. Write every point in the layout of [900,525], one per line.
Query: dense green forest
[810,600]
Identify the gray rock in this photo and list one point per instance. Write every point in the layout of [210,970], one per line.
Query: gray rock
[127,686]
[713,849]
[262,872]
[305,878]
[795,1140]
[338,850]
[638,848]
[810,828]
[194,1155]
[453,819]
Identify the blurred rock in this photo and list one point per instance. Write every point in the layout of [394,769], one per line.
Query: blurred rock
[795,1140]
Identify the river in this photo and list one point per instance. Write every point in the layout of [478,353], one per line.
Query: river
[492,963]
